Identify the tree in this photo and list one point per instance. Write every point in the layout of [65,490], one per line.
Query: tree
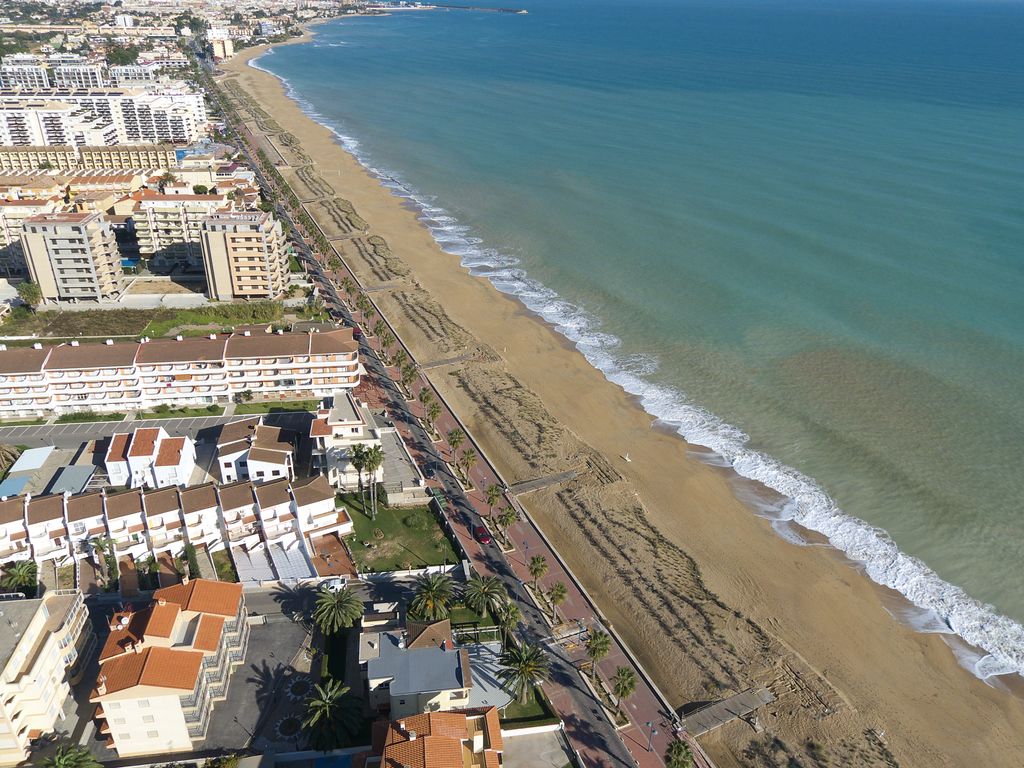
[483,593]
[408,374]
[30,293]
[467,461]
[166,178]
[523,668]
[374,460]
[678,755]
[509,617]
[337,610]
[433,411]
[538,567]
[623,684]
[379,327]
[364,306]
[507,518]
[558,594]
[200,189]
[332,717]
[426,397]
[357,458]
[493,493]
[387,341]
[22,576]
[347,286]
[71,756]
[456,437]
[400,357]
[433,596]
[599,644]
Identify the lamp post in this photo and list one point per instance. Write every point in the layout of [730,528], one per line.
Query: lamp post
[651,735]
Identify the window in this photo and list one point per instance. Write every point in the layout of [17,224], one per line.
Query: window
[119,721]
[112,705]
[227,465]
[143,704]
[124,737]
[149,719]
[152,734]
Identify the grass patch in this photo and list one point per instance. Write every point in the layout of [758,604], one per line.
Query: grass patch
[22,422]
[460,614]
[536,711]
[182,413]
[80,417]
[293,264]
[411,538]
[278,406]
[135,322]
[66,577]
[225,568]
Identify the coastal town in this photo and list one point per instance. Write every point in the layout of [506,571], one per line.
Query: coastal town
[239,525]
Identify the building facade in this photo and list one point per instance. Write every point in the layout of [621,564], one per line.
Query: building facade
[72,256]
[244,256]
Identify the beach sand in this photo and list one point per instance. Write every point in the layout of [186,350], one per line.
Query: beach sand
[709,598]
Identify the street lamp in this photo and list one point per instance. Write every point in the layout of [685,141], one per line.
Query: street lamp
[651,735]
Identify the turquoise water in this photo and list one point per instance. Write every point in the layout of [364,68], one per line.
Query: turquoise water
[796,230]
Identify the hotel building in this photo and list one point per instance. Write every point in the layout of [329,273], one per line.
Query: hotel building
[47,122]
[72,256]
[44,646]
[195,371]
[244,256]
[162,668]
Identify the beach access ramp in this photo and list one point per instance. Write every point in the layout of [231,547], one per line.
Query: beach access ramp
[715,715]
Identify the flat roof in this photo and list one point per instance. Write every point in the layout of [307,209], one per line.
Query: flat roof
[13,486]
[72,479]
[31,460]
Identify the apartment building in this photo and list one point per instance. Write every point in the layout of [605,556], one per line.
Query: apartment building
[78,75]
[46,122]
[158,156]
[167,113]
[344,423]
[27,74]
[127,75]
[31,158]
[169,226]
[249,449]
[244,256]
[149,458]
[193,371]
[12,216]
[163,668]
[468,739]
[72,256]
[44,647]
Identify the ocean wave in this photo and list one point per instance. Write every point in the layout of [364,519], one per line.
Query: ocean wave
[994,643]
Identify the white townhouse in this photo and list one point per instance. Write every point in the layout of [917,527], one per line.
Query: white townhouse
[163,521]
[238,515]
[47,534]
[149,458]
[13,533]
[125,523]
[277,518]
[201,512]
[249,449]
[86,521]
[118,376]
[341,424]
[316,511]
[175,461]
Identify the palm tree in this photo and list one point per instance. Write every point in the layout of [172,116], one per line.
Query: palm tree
[166,178]
[379,327]
[467,461]
[493,493]
[387,340]
[332,716]
[22,576]
[599,644]
[374,460]
[426,397]
[623,684]
[484,593]
[407,374]
[433,411]
[400,357]
[357,457]
[509,617]
[557,595]
[456,437]
[71,756]
[363,305]
[346,285]
[538,567]
[523,668]
[337,610]
[678,755]
[433,596]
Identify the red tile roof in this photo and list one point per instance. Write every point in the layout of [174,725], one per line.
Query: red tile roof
[118,450]
[144,441]
[204,596]
[169,454]
[153,667]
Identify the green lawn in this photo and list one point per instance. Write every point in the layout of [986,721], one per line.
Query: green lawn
[136,322]
[88,416]
[412,538]
[460,614]
[22,422]
[537,711]
[278,406]
[225,568]
[293,264]
[182,413]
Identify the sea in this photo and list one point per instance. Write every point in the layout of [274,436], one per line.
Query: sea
[794,230]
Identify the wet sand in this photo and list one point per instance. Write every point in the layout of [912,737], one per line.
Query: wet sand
[706,594]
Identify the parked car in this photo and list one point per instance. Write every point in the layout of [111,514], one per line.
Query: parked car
[481,535]
[333,585]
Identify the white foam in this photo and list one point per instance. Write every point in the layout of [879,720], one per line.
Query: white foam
[1000,638]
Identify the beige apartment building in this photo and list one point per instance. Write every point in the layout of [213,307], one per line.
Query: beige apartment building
[72,256]
[44,647]
[162,668]
[12,215]
[244,256]
[169,227]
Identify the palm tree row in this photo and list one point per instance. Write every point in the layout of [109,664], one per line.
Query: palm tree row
[368,459]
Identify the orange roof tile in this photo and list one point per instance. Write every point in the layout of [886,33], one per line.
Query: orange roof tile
[312,490]
[144,441]
[162,619]
[208,633]
[162,500]
[218,597]
[118,450]
[153,667]
[319,428]
[121,504]
[169,454]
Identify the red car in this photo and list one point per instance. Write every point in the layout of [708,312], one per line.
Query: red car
[482,535]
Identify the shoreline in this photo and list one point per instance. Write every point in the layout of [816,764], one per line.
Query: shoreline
[662,465]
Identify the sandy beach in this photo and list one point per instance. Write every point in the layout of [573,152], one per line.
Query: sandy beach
[709,598]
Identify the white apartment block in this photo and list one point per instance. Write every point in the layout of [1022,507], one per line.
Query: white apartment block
[134,74]
[72,256]
[150,458]
[44,644]
[78,76]
[341,425]
[69,157]
[170,113]
[24,76]
[45,123]
[122,376]
[169,226]
[244,256]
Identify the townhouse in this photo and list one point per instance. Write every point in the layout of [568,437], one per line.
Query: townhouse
[125,524]
[47,533]
[344,423]
[200,511]
[164,524]
[44,646]
[149,457]
[163,668]
[42,380]
[238,514]
[466,739]
[13,530]
[249,449]
[87,521]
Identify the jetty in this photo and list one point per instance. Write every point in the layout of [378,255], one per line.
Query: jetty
[715,715]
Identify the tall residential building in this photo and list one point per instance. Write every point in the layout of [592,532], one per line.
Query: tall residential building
[244,256]
[169,227]
[24,76]
[194,371]
[39,122]
[134,74]
[162,668]
[71,256]
[44,646]
[78,75]
[12,215]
